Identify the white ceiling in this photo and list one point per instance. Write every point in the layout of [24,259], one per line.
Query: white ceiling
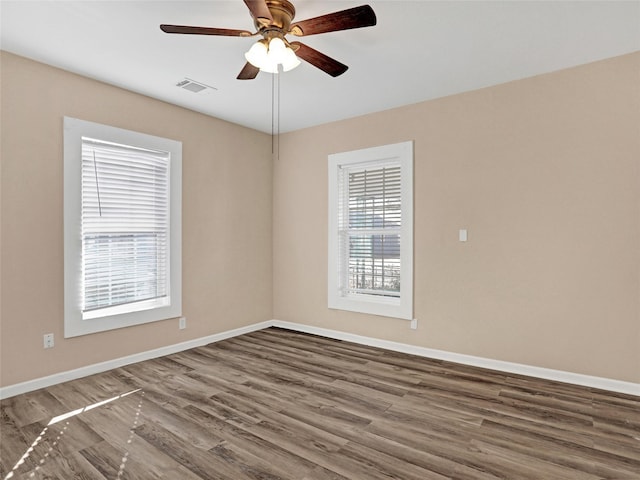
[419,50]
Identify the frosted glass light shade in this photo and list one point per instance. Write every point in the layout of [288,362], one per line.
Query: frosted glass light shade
[277,48]
[290,60]
[257,54]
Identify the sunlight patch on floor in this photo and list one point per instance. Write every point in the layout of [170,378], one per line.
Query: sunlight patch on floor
[66,416]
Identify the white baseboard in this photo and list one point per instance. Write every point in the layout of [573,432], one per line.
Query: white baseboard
[31,385]
[517,368]
[549,374]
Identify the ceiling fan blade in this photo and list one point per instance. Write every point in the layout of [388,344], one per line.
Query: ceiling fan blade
[248,72]
[260,11]
[357,17]
[318,59]
[204,31]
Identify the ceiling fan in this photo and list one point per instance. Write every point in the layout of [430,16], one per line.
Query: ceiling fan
[272,19]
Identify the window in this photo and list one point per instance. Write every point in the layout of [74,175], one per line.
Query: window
[122,228]
[371,230]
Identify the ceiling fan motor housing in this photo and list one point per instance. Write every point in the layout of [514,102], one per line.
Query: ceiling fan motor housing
[282,12]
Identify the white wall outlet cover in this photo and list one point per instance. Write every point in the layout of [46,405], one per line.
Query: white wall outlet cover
[48,340]
[462,234]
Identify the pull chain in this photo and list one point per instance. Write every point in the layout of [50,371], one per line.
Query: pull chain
[275,114]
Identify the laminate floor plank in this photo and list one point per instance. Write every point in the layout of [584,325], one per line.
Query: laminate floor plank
[156,370]
[315,343]
[72,465]
[186,429]
[448,412]
[251,466]
[32,407]
[508,463]
[203,463]
[235,358]
[545,400]
[497,408]
[384,373]
[78,433]
[231,409]
[293,385]
[405,449]
[133,462]
[280,405]
[314,368]
[258,446]
[13,443]
[581,459]
[385,465]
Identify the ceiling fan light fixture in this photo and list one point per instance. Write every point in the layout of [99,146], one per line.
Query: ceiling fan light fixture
[267,55]
[273,20]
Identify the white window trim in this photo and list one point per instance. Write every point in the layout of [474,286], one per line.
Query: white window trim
[74,325]
[386,306]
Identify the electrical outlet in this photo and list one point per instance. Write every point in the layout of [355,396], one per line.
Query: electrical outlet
[182,323]
[414,324]
[48,340]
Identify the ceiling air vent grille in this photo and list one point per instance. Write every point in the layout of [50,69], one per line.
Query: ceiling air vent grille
[195,87]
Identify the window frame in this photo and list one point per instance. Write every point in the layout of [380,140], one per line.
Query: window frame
[397,307]
[120,316]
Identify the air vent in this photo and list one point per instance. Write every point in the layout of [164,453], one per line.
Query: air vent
[195,87]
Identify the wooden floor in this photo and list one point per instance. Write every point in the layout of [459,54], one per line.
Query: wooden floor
[275,404]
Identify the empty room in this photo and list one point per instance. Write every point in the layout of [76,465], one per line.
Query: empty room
[319,240]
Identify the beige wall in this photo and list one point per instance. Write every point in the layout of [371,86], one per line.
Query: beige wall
[227,192]
[545,175]
[543,172]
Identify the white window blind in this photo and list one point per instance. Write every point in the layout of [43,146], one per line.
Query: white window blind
[370,229]
[125,226]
